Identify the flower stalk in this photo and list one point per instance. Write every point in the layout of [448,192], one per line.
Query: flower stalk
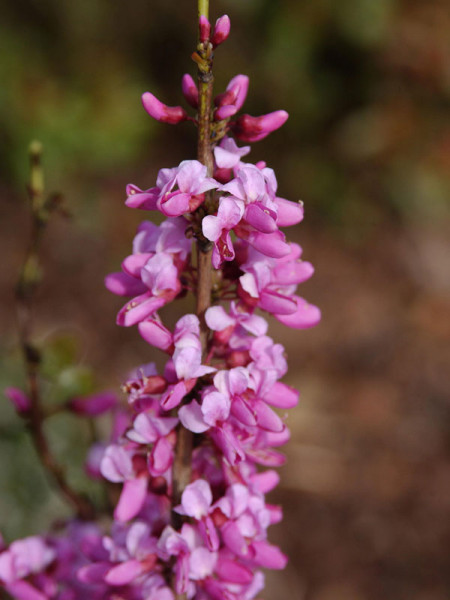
[194,450]
[182,465]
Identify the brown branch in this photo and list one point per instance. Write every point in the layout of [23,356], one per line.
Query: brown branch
[183,451]
[28,282]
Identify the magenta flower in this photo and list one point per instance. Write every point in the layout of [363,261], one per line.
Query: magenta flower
[117,466]
[253,129]
[162,112]
[194,446]
[271,286]
[228,155]
[178,191]
[18,398]
[94,405]
[221,31]
[217,229]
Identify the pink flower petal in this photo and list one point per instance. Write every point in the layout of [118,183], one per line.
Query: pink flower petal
[93,405]
[22,590]
[116,464]
[190,90]
[268,556]
[265,481]
[132,498]
[260,218]
[173,396]
[93,573]
[123,284]
[267,418]
[234,540]
[191,417]
[155,334]
[175,204]
[124,573]
[276,303]
[161,457]
[139,308]
[215,408]
[306,315]
[201,563]
[282,396]
[209,534]
[162,112]
[242,82]
[288,213]
[197,499]
[217,319]
[233,572]
[270,244]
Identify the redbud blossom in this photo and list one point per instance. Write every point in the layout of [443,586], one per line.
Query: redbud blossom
[221,30]
[204,27]
[162,112]
[209,539]
[18,398]
[190,90]
[253,129]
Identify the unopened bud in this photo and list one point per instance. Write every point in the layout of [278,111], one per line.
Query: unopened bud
[228,97]
[19,399]
[241,82]
[221,30]
[225,112]
[162,112]
[190,90]
[92,406]
[204,27]
[253,129]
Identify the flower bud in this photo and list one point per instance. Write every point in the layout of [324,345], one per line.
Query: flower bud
[92,406]
[204,27]
[190,90]
[225,112]
[228,97]
[253,129]
[241,83]
[20,400]
[221,30]
[162,112]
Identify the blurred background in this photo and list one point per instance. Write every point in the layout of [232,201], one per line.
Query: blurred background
[366,490]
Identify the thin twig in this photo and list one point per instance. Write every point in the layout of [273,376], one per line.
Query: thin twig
[28,282]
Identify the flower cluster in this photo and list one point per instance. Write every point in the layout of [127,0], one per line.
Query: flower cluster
[209,542]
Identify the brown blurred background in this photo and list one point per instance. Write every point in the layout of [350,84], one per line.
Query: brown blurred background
[366,490]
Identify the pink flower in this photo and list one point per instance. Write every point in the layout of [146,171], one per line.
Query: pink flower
[228,155]
[235,94]
[272,285]
[221,30]
[162,112]
[217,229]
[220,381]
[178,190]
[190,90]
[18,398]
[93,405]
[117,466]
[253,129]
